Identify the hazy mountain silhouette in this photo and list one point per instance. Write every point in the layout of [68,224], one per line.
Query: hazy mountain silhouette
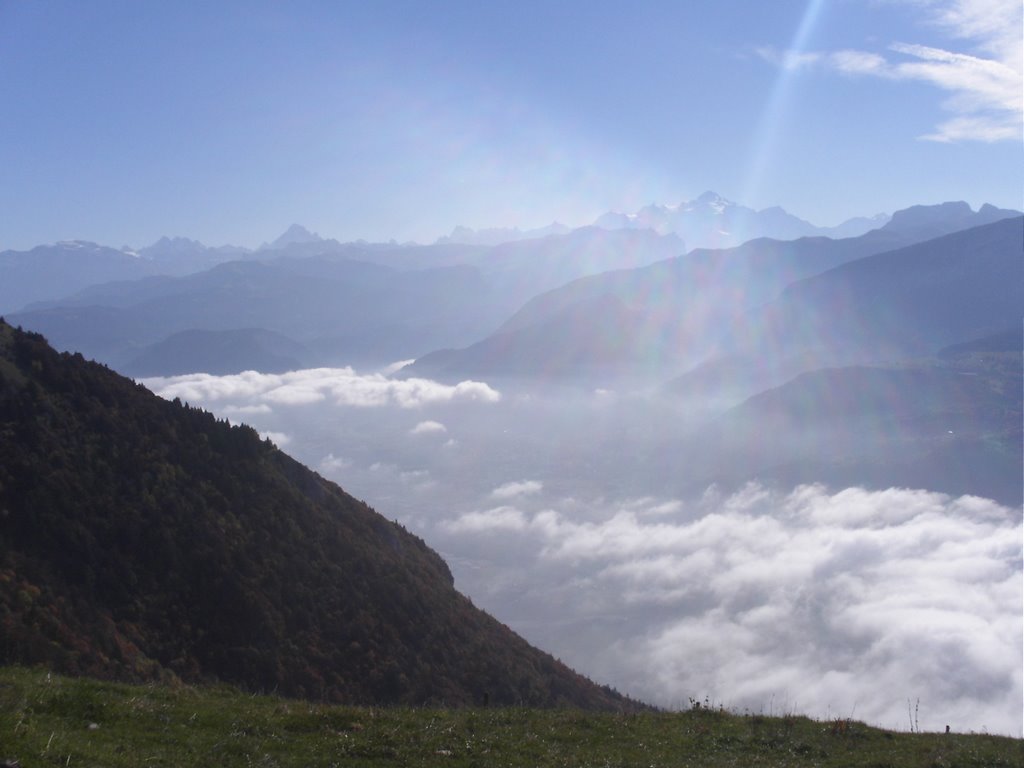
[296,234]
[912,301]
[360,311]
[51,271]
[499,235]
[707,303]
[219,353]
[592,336]
[352,304]
[178,256]
[711,221]
[370,304]
[951,426]
[928,221]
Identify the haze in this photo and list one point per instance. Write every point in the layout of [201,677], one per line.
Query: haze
[779,478]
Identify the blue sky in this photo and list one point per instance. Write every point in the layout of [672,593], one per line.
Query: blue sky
[124,121]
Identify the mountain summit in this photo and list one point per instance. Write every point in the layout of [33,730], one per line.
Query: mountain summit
[296,234]
[712,221]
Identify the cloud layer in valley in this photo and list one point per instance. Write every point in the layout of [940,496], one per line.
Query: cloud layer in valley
[343,386]
[843,603]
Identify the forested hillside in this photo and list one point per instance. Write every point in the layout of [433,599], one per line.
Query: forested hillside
[142,539]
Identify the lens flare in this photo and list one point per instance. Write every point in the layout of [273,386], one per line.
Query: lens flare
[767,132]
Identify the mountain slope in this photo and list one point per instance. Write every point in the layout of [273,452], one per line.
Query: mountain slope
[344,309]
[589,337]
[52,271]
[357,311]
[912,301]
[219,353]
[143,539]
[952,426]
[707,303]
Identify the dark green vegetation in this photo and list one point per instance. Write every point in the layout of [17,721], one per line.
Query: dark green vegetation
[146,540]
[50,720]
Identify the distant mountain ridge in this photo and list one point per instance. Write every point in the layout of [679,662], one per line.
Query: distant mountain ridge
[711,221]
[912,301]
[350,304]
[51,271]
[747,300]
[499,235]
[372,303]
[219,353]
[951,423]
[142,539]
[296,234]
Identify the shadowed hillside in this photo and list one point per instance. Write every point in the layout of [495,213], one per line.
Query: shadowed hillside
[142,539]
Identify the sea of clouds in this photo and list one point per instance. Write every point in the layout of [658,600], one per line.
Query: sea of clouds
[890,606]
[837,603]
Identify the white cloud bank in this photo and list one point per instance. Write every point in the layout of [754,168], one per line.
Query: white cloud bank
[341,385]
[985,85]
[840,604]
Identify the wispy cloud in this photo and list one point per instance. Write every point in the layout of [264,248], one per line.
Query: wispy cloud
[246,410]
[512,490]
[331,463]
[396,366]
[791,60]
[428,428]
[985,84]
[858,62]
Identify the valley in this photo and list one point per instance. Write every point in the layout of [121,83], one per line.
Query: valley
[644,462]
[558,383]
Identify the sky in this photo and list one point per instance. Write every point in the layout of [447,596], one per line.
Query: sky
[227,122]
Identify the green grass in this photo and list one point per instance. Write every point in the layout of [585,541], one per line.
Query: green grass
[50,720]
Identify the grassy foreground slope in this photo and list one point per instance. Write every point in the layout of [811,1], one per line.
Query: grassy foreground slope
[50,720]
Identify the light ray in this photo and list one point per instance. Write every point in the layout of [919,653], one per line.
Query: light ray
[766,135]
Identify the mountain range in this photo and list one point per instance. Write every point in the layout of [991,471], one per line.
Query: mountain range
[370,304]
[51,272]
[767,297]
[355,304]
[711,221]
